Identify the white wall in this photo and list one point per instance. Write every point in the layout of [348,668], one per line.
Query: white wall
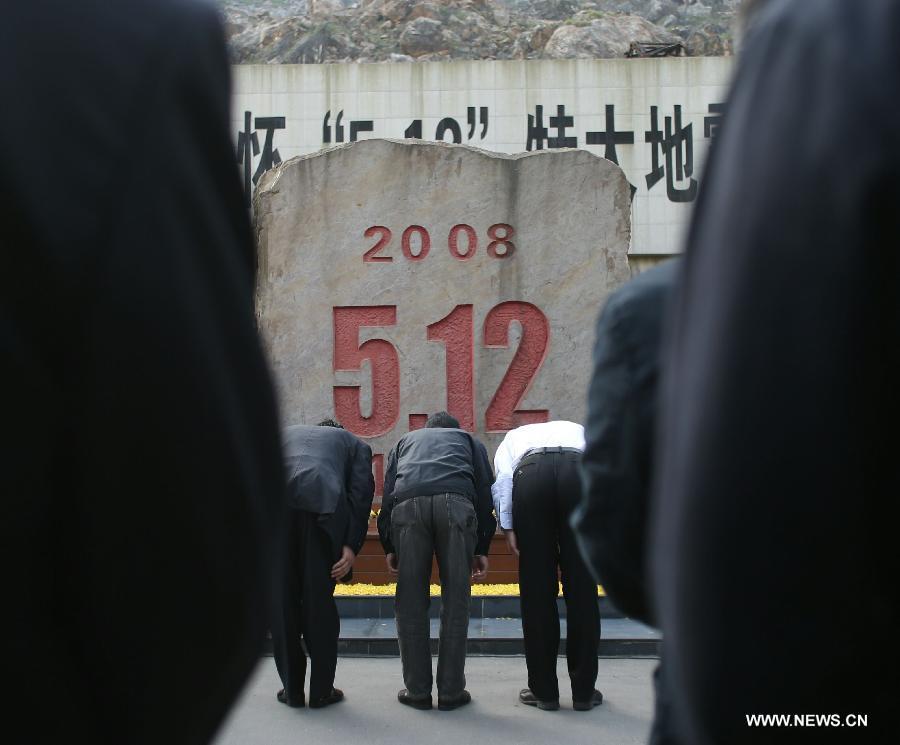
[391,96]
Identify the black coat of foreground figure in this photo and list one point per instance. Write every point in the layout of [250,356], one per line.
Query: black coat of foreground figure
[141,465]
[611,521]
[775,507]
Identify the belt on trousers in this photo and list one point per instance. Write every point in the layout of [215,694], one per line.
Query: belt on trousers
[542,451]
[406,497]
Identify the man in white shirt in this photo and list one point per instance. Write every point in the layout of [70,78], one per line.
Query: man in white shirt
[537,488]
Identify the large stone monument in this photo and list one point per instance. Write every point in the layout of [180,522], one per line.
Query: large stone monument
[398,278]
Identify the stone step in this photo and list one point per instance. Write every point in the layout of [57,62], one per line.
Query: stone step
[484,606]
[377,637]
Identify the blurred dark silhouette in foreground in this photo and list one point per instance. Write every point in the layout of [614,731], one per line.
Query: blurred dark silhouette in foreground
[775,505]
[141,467]
[612,519]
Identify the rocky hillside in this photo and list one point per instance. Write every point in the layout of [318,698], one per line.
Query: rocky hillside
[311,31]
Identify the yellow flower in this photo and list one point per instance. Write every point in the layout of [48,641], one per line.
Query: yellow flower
[478,590]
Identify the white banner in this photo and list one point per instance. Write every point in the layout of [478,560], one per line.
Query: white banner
[654,117]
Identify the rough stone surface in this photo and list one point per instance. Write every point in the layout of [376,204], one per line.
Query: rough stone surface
[421,36]
[313,31]
[527,317]
[609,36]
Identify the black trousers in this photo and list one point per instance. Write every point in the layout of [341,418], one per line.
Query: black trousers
[546,488]
[307,609]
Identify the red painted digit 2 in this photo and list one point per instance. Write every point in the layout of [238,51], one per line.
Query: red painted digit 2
[349,355]
[502,414]
[370,255]
[456,331]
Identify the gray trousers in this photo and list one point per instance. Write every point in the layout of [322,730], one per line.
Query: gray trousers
[445,525]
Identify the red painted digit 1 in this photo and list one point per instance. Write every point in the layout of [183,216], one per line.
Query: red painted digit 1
[502,414]
[349,355]
[456,331]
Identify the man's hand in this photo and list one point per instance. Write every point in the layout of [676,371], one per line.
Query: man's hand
[344,564]
[479,568]
[511,541]
[391,561]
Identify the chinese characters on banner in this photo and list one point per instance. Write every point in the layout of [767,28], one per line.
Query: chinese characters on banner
[670,140]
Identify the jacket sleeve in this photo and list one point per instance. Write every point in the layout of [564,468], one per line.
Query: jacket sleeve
[360,492]
[387,503]
[610,520]
[484,502]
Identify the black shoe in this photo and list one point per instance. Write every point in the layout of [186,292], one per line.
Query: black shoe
[417,703]
[296,703]
[449,704]
[529,699]
[595,700]
[332,698]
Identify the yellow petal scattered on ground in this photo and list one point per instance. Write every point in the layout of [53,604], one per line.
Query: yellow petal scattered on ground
[478,589]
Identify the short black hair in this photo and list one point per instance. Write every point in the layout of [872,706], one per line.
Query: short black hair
[442,419]
[330,423]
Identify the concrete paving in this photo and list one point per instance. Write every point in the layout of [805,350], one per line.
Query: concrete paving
[371,714]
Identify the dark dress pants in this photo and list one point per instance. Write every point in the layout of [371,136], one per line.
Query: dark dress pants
[444,525]
[546,488]
[307,609]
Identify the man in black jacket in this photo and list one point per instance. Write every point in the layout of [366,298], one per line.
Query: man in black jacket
[611,522]
[330,490]
[612,519]
[436,500]
[775,510]
[141,470]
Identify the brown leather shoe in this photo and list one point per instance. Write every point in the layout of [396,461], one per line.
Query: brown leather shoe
[417,703]
[595,700]
[295,703]
[527,697]
[332,698]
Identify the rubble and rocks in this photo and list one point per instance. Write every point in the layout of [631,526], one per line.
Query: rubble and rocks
[316,31]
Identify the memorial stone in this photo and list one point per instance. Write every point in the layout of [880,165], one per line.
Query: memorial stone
[397,279]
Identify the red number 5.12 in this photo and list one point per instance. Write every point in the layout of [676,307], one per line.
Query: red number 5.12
[456,332]
[349,355]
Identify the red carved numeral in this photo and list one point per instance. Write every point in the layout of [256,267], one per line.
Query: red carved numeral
[509,248]
[378,471]
[349,355]
[455,330]
[500,246]
[417,421]
[471,242]
[424,243]
[369,256]
[501,414]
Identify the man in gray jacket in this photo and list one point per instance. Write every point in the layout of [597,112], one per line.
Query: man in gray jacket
[437,500]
